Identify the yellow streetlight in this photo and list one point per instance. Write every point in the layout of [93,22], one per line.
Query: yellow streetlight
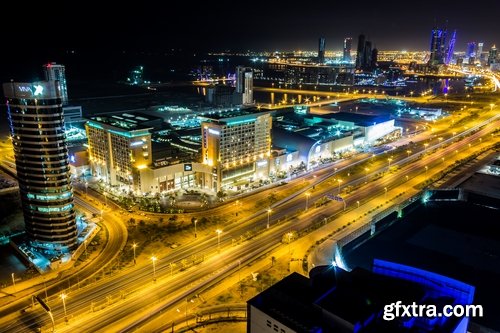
[340,182]
[218,231]
[307,199]
[134,246]
[63,297]
[153,259]
[289,234]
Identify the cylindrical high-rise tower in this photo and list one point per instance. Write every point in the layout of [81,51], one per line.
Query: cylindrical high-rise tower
[37,131]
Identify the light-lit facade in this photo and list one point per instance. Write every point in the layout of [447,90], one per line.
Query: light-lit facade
[37,130]
[118,148]
[57,72]
[346,56]
[237,146]
[244,84]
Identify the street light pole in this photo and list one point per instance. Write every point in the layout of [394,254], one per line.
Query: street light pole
[289,234]
[385,194]
[357,203]
[307,199]
[153,258]
[13,282]
[195,221]
[63,297]
[340,182]
[134,245]
[218,231]
[269,217]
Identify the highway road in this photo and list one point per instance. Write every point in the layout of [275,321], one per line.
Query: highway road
[80,301]
[67,279]
[130,283]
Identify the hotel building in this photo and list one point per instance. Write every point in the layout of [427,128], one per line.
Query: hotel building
[237,145]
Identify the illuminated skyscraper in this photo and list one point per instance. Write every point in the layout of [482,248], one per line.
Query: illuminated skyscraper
[438,47]
[451,47]
[347,49]
[471,50]
[244,84]
[37,129]
[321,50]
[55,72]
[493,55]
[479,53]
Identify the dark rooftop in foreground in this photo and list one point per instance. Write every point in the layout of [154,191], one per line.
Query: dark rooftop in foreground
[333,300]
[452,238]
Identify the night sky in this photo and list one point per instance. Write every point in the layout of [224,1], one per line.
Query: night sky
[41,32]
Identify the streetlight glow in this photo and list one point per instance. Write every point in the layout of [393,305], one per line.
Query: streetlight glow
[134,246]
[153,259]
[218,231]
[63,297]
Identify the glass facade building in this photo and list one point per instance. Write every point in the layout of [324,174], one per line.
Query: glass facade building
[37,131]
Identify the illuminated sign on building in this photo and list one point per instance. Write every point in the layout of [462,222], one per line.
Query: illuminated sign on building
[136,143]
[38,90]
[214,132]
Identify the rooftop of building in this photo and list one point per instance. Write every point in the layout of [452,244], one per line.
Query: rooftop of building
[232,115]
[452,238]
[486,181]
[357,118]
[128,121]
[354,298]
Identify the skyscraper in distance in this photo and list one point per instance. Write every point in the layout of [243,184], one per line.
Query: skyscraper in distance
[471,50]
[37,129]
[493,55]
[368,56]
[244,84]
[438,46]
[451,48]
[321,50]
[360,52]
[479,53]
[347,49]
[374,59]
